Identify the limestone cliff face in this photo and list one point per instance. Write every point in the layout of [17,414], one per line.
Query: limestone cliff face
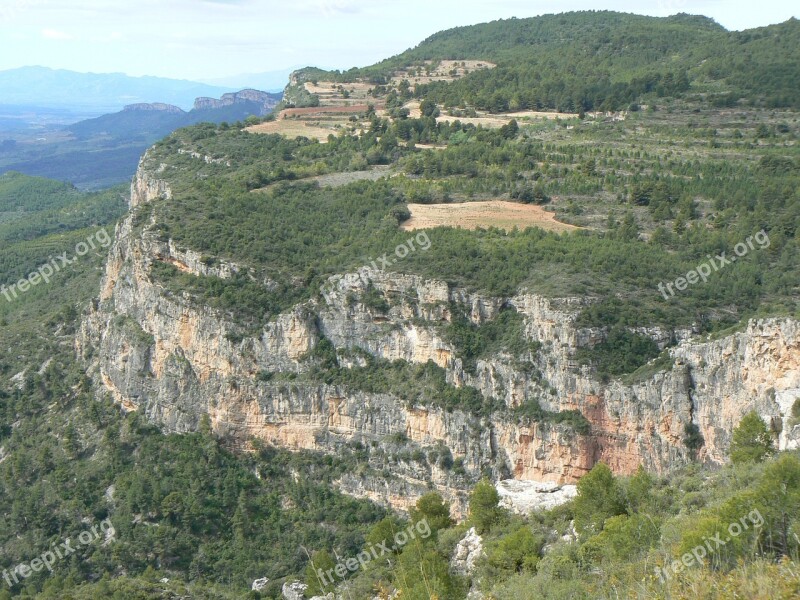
[153,107]
[265,100]
[175,361]
[147,186]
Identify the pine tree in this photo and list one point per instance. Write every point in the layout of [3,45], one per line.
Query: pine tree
[484,509]
[752,441]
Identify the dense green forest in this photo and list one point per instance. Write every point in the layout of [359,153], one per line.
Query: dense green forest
[600,60]
[41,218]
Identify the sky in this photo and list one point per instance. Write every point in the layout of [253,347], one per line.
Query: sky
[211,39]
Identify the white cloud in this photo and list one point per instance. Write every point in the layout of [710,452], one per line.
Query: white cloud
[331,8]
[54,34]
[114,36]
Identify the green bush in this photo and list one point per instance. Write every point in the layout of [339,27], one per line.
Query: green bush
[599,498]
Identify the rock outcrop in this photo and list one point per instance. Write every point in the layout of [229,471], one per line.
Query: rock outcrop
[467,552]
[294,591]
[524,497]
[153,107]
[176,361]
[259,584]
[265,100]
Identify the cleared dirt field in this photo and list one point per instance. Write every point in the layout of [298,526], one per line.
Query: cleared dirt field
[340,179]
[334,180]
[330,93]
[315,122]
[429,147]
[322,110]
[491,213]
[292,128]
[491,121]
[537,114]
[497,121]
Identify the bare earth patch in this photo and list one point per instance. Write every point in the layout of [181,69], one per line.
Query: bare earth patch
[293,128]
[413,109]
[334,180]
[491,213]
[315,122]
[322,110]
[495,121]
[340,179]
[490,120]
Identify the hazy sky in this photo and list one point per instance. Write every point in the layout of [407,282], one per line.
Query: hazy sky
[204,39]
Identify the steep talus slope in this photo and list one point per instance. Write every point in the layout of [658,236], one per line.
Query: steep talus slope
[176,361]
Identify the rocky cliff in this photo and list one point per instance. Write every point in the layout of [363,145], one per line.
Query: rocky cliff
[266,100]
[153,107]
[175,361]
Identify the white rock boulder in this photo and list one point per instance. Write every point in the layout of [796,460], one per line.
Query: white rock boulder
[524,496]
[259,584]
[294,591]
[467,552]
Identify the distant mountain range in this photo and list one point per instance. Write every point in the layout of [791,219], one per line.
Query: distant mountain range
[155,120]
[103,92]
[105,150]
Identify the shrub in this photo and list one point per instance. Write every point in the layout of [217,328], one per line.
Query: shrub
[599,497]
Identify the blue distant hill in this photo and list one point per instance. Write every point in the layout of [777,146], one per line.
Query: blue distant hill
[105,150]
[105,92]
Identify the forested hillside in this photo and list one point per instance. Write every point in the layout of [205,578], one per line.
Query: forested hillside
[600,60]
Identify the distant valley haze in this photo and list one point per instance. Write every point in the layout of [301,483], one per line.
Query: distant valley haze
[99,92]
